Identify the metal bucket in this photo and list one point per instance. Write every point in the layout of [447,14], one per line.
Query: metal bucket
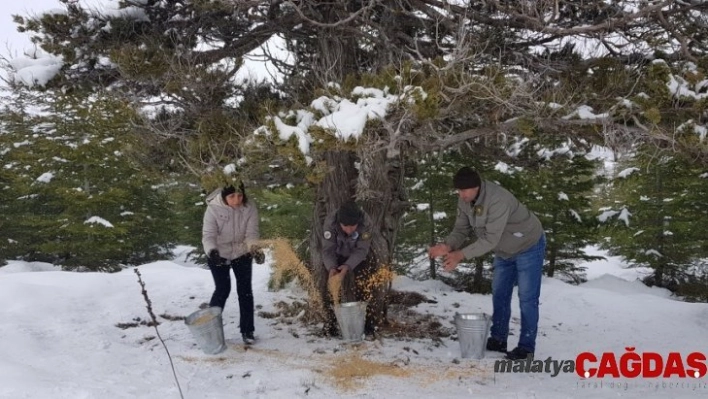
[351,317]
[472,331]
[208,329]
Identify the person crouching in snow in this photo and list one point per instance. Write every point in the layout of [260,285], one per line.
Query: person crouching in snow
[230,234]
[345,250]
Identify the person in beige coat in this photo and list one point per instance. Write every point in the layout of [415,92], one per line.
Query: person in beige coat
[506,227]
[230,236]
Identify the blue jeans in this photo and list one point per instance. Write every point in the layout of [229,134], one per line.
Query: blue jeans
[526,270]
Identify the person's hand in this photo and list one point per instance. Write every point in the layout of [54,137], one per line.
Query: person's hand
[438,250]
[452,259]
[214,257]
[338,271]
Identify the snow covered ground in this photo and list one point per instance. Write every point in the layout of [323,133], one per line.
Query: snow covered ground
[59,339]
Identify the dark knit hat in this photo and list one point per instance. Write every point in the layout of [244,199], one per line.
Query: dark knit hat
[230,189]
[349,214]
[466,178]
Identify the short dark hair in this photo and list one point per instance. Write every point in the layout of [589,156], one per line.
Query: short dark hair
[349,214]
[465,178]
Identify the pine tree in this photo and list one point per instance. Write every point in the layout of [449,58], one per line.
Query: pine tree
[659,222]
[157,50]
[189,206]
[9,231]
[433,204]
[434,209]
[282,212]
[17,178]
[557,182]
[80,201]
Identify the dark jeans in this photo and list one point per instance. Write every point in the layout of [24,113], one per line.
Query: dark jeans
[525,270]
[243,268]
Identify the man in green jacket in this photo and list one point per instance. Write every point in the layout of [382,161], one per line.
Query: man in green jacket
[504,226]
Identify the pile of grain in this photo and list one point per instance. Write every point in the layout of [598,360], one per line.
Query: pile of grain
[203,319]
[350,371]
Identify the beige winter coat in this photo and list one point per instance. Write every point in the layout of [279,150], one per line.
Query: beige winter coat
[499,221]
[231,231]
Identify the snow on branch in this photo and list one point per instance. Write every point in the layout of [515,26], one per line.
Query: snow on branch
[622,215]
[344,118]
[626,172]
[98,220]
[37,70]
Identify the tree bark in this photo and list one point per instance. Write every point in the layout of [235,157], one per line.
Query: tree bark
[337,187]
[552,261]
[478,275]
[380,186]
[659,270]
[377,184]
[431,219]
[553,247]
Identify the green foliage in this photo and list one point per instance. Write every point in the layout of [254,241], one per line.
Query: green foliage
[157,51]
[188,205]
[556,182]
[663,207]
[76,199]
[433,205]
[399,80]
[694,285]
[433,211]
[557,185]
[286,212]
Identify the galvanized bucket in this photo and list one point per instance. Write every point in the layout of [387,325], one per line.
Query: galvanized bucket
[472,331]
[208,329]
[351,317]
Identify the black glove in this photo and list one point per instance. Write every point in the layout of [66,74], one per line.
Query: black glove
[214,257]
[258,256]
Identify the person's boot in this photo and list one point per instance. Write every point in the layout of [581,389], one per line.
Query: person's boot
[369,332]
[496,345]
[519,353]
[330,330]
[248,338]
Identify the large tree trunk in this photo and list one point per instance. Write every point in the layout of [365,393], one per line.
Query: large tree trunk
[337,187]
[332,62]
[337,56]
[380,186]
[377,185]
[375,182]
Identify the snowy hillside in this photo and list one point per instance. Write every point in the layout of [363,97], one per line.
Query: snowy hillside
[60,339]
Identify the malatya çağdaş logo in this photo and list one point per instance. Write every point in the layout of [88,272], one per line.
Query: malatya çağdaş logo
[630,364]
